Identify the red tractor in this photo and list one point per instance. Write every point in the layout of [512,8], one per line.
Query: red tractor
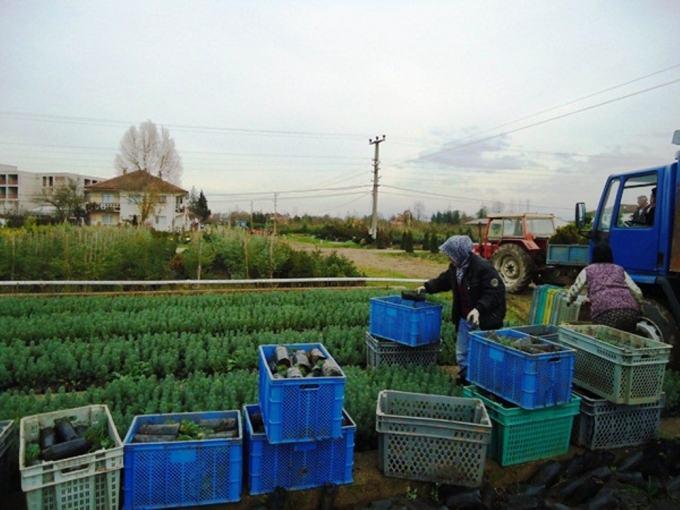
[516,244]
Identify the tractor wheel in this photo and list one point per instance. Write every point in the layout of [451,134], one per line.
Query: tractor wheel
[515,266]
[658,323]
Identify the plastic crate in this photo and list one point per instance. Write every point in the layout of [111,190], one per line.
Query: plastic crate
[385,353]
[531,381]
[182,473]
[297,466]
[404,321]
[7,450]
[603,425]
[521,436]
[432,438]
[297,410]
[629,373]
[545,332]
[85,482]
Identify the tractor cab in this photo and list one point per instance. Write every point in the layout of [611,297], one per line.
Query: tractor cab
[516,244]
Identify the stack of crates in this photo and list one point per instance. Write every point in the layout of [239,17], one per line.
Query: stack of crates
[298,436]
[528,396]
[619,378]
[549,306]
[403,332]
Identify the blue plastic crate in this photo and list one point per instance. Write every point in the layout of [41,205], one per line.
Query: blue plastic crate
[531,381]
[297,410]
[297,466]
[404,321]
[182,473]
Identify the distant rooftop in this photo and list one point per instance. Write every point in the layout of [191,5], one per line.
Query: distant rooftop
[137,181]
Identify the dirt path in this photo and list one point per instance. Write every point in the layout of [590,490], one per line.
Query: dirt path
[382,262]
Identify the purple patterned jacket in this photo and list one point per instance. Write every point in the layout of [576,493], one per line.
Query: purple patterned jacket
[608,289]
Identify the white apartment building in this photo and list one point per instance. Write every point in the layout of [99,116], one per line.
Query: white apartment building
[20,191]
[122,200]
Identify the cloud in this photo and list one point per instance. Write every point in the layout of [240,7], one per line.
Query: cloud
[490,155]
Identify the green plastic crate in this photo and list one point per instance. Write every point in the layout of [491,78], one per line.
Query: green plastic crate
[521,435]
[628,371]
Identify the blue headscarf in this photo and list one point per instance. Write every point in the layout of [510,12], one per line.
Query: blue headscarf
[459,250]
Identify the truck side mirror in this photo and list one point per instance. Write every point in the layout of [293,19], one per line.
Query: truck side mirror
[580,215]
[676,137]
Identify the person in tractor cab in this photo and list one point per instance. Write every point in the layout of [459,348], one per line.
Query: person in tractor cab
[614,296]
[478,291]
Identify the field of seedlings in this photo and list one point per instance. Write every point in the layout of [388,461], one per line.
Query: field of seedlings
[173,353]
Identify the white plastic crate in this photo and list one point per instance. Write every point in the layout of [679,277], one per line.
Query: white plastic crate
[432,438]
[85,482]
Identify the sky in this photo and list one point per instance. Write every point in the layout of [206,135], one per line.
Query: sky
[284,96]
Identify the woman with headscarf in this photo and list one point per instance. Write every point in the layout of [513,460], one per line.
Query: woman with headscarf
[478,291]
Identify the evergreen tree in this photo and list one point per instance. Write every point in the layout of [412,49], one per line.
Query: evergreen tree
[434,244]
[200,207]
[407,242]
[426,241]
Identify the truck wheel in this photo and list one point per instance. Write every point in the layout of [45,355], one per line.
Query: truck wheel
[658,323]
[515,267]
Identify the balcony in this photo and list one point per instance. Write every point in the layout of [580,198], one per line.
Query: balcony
[100,207]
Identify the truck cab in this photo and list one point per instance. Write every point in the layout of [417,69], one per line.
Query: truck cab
[638,215]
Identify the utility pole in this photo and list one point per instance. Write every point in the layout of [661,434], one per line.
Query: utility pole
[276,196]
[376,165]
[251,215]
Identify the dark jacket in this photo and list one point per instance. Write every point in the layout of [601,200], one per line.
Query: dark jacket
[485,288]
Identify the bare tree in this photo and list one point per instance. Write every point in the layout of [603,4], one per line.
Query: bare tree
[419,209]
[66,200]
[150,149]
[146,204]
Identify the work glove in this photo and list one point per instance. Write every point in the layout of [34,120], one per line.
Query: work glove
[421,290]
[473,317]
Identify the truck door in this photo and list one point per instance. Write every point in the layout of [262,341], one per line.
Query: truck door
[634,227]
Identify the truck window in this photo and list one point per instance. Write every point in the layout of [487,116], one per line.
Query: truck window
[495,230]
[605,222]
[638,201]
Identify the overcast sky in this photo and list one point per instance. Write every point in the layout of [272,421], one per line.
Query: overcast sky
[296,90]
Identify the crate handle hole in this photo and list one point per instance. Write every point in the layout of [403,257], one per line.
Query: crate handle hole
[554,360]
[309,387]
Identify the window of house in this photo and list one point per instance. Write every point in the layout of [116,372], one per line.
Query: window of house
[160,220]
[107,219]
[162,199]
[107,198]
[638,202]
[134,198]
[496,229]
[608,209]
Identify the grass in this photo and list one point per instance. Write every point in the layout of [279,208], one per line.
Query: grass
[422,255]
[309,239]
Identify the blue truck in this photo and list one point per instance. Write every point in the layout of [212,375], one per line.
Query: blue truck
[639,215]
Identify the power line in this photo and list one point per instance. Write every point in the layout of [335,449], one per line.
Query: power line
[206,153]
[563,115]
[265,199]
[345,204]
[31,116]
[454,197]
[578,99]
[309,190]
